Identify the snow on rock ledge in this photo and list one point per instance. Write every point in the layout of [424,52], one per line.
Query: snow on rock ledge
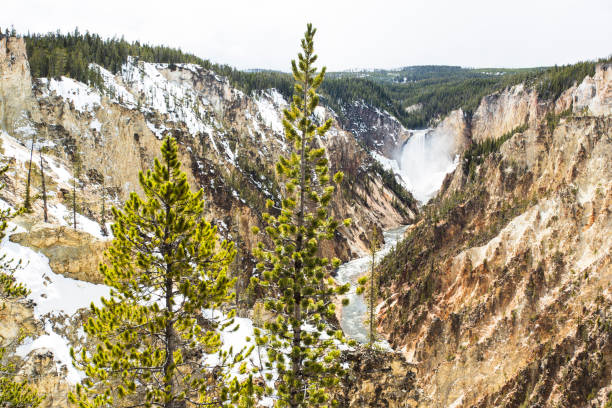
[84,98]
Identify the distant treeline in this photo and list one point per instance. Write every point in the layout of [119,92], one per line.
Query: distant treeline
[437,90]
[55,54]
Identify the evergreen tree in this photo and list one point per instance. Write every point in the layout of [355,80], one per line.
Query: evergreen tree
[301,343]
[374,243]
[374,246]
[156,344]
[13,394]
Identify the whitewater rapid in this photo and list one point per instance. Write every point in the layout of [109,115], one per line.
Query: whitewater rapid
[353,320]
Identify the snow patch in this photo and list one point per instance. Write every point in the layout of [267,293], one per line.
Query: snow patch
[181,103]
[270,105]
[52,293]
[95,125]
[57,345]
[65,218]
[113,89]
[21,153]
[84,98]
[457,403]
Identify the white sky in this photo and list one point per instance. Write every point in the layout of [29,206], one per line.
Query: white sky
[351,34]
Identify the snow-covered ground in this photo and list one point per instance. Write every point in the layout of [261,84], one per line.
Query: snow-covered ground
[181,103]
[64,217]
[84,98]
[269,106]
[115,90]
[60,175]
[53,295]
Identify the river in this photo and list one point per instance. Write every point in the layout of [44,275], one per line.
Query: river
[353,320]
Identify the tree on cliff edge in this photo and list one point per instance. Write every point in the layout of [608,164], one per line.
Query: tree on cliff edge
[301,343]
[157,344]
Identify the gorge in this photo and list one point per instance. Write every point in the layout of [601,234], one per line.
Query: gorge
[496,270]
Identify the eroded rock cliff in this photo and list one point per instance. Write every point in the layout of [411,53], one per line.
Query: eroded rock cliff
[501,294]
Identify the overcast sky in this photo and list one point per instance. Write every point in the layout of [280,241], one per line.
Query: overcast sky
[351,34]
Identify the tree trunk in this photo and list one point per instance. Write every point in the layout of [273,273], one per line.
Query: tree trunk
[166,250]
[170,346]
[27,203]
[74,203]
[103,228]
[44,189]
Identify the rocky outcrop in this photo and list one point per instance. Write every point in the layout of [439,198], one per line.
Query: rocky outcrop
[594,95]
[378,130]
[74,254]
[378,379]
[503,111]
[456,125]
[16,320]
[16,103]
[42,374]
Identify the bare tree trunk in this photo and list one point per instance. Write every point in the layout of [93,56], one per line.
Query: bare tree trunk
[44,189]
[27,203]
[74,203]
[103,229]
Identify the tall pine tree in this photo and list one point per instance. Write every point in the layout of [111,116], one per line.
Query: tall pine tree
[156,344]
[301,343]
[13,393]
[374,247]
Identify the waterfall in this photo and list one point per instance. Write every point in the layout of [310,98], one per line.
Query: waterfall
[424,160]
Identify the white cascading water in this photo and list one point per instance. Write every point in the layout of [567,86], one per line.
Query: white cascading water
[424,160]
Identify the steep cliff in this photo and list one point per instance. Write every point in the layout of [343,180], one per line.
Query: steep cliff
[16,102]
[500,294]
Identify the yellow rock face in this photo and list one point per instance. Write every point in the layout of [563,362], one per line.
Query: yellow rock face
[74,254]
